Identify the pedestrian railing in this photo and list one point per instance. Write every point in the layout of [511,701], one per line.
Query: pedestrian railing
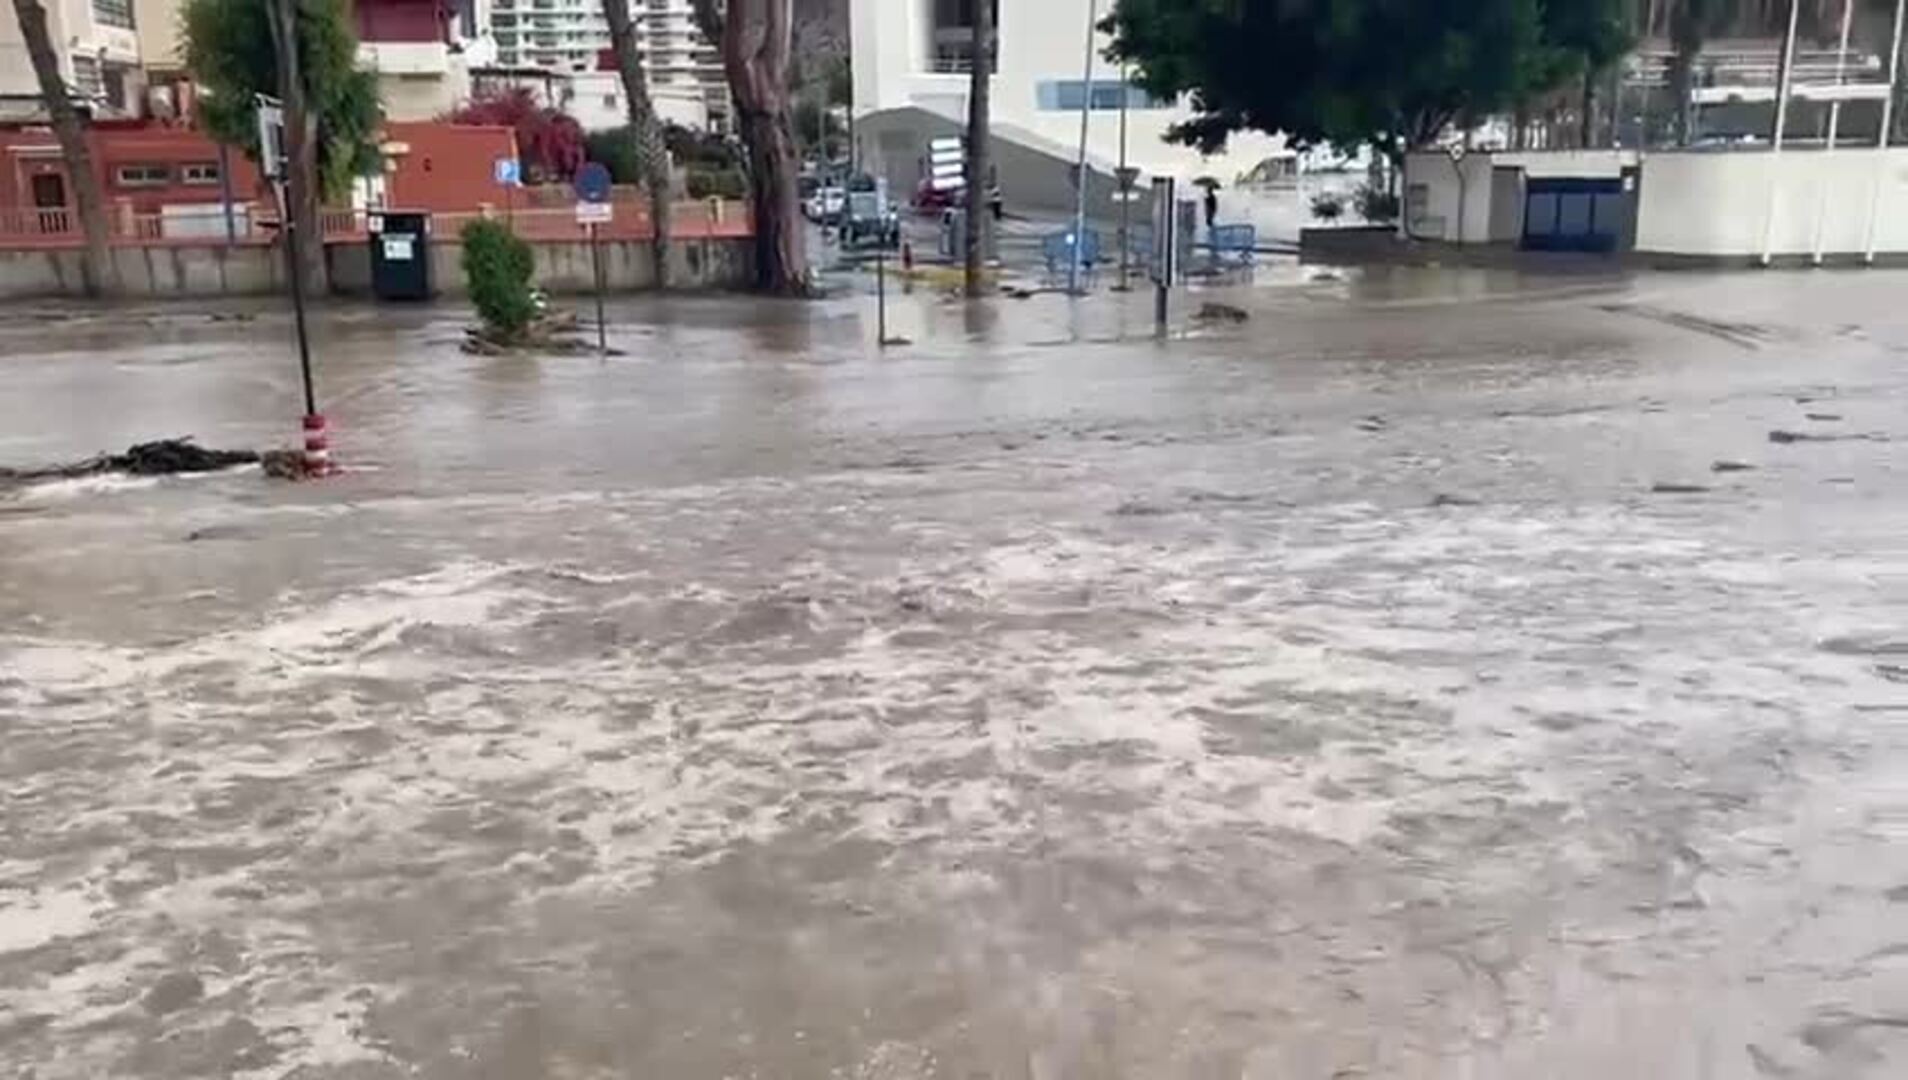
[253,224]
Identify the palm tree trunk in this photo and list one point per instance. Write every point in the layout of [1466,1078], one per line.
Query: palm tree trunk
[755,53]
[652,154]
[97,274]
[979,140]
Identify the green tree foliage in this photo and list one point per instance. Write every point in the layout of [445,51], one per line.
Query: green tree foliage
[497,269]
[1393,73]
[228,51]
[615,150]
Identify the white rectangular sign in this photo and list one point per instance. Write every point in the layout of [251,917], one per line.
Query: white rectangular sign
[594,213]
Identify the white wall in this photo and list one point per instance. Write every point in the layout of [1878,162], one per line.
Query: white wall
[1041,41]
[596,100]
[1453,211]
[1718,204]
[1433,169]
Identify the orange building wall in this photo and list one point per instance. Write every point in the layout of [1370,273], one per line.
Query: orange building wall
[442,166]
[429,165]
[26,152]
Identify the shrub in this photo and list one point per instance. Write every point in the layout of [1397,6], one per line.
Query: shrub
[497,269]
[1328,206]
[616,150]
[1375,205]
[716,184]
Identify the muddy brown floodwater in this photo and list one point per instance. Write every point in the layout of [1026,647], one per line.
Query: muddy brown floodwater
[1438,676]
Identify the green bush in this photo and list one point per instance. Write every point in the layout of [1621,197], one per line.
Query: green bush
[616,150]
[1328,206]
[716,184]
[497,269]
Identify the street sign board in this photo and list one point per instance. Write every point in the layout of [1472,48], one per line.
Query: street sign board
[507,172]
[271,136]
[1165,233]
[594,213]
[947,163]
[593,182]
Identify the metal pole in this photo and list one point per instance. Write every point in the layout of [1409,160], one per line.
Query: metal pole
[1080,194]
[288,222]
[596,268]
[1887,130]
[1781,122]
[225,193]
[881,296]
[1165,248]
[1125,186]
[1834,129]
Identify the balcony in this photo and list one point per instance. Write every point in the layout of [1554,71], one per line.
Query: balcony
[405,57]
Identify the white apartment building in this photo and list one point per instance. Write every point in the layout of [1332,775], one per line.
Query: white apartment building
[911,72]
[569,36]
[99,45]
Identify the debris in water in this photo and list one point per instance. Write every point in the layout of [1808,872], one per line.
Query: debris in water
[1213,311]
[1786,437]
[1731,466]
[161,458]
[1823,417]
[1442,499]
[1661,488]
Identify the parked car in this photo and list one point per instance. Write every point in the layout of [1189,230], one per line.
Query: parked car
[870,222]
[825,206]
[929,199]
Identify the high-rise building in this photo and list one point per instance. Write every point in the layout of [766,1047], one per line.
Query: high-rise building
[568,36]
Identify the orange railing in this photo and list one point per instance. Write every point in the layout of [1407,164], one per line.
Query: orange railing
[630,220]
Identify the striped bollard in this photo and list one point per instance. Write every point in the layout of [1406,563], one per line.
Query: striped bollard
[317,446]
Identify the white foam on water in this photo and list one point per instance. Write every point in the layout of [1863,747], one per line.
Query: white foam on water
[30,919]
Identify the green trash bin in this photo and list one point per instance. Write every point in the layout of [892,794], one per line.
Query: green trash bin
[400,255]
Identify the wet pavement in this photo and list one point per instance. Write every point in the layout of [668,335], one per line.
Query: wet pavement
[1442,674]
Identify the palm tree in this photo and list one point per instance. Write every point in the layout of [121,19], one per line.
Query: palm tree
[97,274]
[652,154]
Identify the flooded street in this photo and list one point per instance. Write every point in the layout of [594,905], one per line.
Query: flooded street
[1440,675]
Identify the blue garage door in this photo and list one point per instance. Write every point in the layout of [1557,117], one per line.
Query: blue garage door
[1573,214]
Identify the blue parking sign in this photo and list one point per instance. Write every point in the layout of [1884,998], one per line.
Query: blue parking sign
[507,172]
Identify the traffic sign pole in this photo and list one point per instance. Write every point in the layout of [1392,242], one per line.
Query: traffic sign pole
[593,209]
[596,267]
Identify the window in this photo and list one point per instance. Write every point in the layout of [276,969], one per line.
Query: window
[609,101]
[1069,95]
[141,175]
[113,13]
[199,172]
[87,81]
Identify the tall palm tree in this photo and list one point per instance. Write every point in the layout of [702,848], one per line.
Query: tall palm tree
[652,154]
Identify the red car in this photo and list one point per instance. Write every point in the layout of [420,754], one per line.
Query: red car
[929,199]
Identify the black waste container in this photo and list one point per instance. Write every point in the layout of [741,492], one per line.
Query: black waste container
[400,255]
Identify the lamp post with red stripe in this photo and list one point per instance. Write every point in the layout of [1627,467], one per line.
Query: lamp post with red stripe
[272,159]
